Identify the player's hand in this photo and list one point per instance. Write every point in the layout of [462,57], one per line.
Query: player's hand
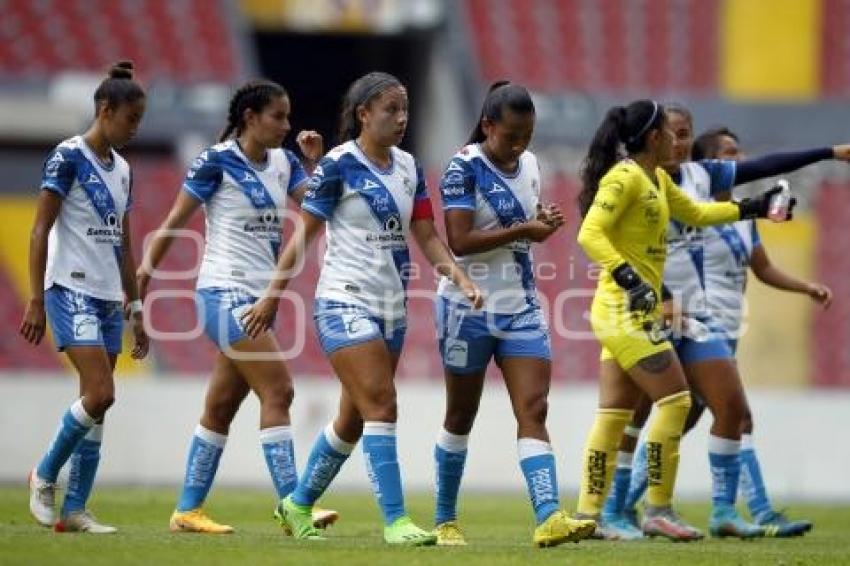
[141,342]
[259,317]
[311,144]
[841,152]
[671,317]
[819,293]
[551,215]
[758,206]
[472,292]
[34,321]
[642,297]
[538,230]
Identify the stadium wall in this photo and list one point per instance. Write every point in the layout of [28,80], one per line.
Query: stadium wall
[149,428]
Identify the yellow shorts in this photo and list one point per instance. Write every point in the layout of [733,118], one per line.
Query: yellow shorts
[626,337]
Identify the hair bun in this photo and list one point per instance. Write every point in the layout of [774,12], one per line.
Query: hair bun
[121,70]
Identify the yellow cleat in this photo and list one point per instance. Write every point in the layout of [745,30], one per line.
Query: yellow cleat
[560,528]
[449,534]
[196,521]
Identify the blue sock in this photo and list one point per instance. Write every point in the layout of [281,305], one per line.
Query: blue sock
[450,458]
[201,466]
[640,480]
[75,424]
[280,458]
[379,451]
[328,455]
[616,502]
[84,462]
[725,462]
[752,483]
[538,466]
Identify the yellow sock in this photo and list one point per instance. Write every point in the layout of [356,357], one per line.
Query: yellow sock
[600,458]
[662,447]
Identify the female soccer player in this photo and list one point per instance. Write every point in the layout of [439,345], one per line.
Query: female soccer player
[81,274]
[242,183]
[694,258]
[372,195]
[626,207]
[491,198]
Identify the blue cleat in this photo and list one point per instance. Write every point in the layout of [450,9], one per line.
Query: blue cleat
[726,522]
[617,527]
[777,525]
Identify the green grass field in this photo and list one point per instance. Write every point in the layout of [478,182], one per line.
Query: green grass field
[498,527]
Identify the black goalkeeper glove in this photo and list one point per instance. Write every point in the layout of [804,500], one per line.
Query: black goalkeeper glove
[758,207]
[642,297]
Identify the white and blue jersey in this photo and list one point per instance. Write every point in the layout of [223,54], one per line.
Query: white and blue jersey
[684,270]
[728,252]
[368,211]
[511,322]
[497,200]
[244,205]
[84,245]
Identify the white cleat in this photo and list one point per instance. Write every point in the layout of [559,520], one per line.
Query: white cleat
[42,500]
[83,522]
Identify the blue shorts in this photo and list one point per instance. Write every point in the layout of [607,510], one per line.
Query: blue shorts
[714,346]
[77,319]
[470,339]
[219,309]
[340,324]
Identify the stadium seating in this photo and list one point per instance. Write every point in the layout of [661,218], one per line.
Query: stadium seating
[37,39]
[604,46]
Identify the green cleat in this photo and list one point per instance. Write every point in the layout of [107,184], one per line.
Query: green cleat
[297,520]
[404,532]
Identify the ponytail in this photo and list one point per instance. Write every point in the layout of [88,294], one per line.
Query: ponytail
[501,95]
[628,126]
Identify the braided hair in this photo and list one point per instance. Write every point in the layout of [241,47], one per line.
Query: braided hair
[118,87]
[255,95]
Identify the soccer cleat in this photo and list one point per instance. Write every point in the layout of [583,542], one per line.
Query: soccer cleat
[726,522]
[297,520]
[449,534]
[82,522]
[42,500]
[776,524]
[560,528]
[404,532]
[324,518]
[196,521]
[664,522]
[616,527]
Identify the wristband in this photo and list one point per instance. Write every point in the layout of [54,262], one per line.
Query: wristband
[135,306]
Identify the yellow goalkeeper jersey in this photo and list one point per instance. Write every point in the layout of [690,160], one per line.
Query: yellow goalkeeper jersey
[628,219]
